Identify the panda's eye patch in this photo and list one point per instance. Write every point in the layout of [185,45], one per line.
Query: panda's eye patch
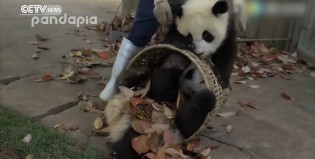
[189,36]
[207,36]
[189,74]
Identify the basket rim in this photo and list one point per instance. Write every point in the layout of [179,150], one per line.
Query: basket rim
[190,55]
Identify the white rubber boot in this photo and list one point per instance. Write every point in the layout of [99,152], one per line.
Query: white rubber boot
[125,53]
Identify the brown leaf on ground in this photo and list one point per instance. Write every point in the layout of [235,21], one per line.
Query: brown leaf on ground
[141,125]
[60,128]
[29,157]
[240,113]
[103,54]
[169,137]
[87,71]
[35,56]
[33,42]
[161,154]
[74,126]
[88,41]
[154,142]
[228,129]
[252,105]
[151,155]
[206,152]
[135,101]
[143,92]
[286,77]
[176,154]
[27,138]
[226,114]
[268,57]
[43,48]
[87,52]
[286,96]
[40,38]
[126,91]
[46,77]
[254,86]
[240,82]
[98,123]
[139,144]
[8,152]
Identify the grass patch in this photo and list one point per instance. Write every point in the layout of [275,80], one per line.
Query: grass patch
[45,144]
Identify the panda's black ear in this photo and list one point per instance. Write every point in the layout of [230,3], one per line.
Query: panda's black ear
[220,7]
[177,10]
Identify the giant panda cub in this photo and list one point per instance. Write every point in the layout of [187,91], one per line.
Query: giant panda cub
[204,27]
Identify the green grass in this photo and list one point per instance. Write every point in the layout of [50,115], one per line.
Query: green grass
[45,144]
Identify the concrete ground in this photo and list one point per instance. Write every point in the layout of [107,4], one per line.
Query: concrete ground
[279,129]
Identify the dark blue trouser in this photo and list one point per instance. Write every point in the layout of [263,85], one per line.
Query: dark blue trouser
[145,25]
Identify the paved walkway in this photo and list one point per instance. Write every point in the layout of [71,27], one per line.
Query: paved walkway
[279,129]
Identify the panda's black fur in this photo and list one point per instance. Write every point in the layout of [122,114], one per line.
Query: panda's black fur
[165,84]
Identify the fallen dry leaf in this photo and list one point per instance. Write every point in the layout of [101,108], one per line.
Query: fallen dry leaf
[29,157]
[126,91]
[35,56]
[228,129]
[246,69]
[33,42]
[240,82]
[286,96]
[176,154]
[66,76]
[103,54]
[206,152]
[40,38]
[98,123]
[252,105]
[88,41]
[8,152]
[169,137]
[46,77]
[254,86]
[60,128]
[140,125]
[158,106]
[27,138]
[135,101]
[74,126]
[226,114]
[144,91]
[139,144]
[43,48]
[161,154]
[169,114]
[268,57]
[240,113]
[151,155]
[312,74]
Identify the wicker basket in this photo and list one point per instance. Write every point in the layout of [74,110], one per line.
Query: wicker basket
[156,53]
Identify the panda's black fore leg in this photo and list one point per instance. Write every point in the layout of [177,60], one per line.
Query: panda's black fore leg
[122,149]
[192,115]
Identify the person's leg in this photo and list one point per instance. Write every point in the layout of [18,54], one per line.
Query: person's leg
[144,27]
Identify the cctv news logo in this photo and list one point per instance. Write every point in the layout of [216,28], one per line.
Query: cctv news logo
[41,10]
[52,14]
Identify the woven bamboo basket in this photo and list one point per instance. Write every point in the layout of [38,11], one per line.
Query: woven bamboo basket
[156,53]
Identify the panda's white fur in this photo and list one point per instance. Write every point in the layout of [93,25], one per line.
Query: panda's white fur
[197,18]
[117,117]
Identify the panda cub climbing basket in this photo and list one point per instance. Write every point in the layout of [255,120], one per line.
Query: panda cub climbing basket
[156,54]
